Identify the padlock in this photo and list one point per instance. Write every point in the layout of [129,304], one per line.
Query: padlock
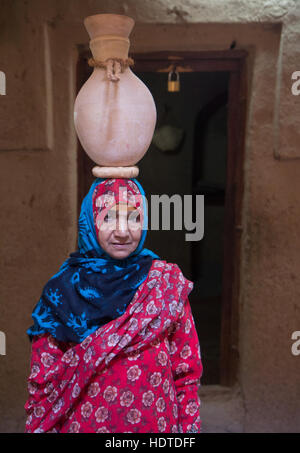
[173,85]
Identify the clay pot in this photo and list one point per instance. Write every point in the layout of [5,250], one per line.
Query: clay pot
[114,121]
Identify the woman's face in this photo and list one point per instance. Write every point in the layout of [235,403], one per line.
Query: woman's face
[120,231]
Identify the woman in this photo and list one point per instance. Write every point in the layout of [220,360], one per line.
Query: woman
[114,344]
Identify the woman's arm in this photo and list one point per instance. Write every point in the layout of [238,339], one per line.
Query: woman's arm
[46,354]
[187,369]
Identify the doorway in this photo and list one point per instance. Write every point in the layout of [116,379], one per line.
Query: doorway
[204,156]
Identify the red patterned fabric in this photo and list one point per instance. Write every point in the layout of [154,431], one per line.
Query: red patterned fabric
[139,373]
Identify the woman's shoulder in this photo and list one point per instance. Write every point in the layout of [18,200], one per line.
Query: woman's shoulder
[163,266]
[166,266]
[172,271]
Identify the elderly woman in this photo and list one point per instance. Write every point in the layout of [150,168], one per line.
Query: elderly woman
[114,344]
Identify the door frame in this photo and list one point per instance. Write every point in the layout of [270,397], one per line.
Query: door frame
[234,62]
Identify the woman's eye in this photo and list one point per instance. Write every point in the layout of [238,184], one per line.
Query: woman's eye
[109,217]
[135,217]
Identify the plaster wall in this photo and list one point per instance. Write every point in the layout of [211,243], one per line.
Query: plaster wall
[39,49]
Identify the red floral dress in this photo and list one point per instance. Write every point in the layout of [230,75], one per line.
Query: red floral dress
[139,373]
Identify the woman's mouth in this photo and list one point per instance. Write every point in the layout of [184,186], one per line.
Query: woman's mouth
[118,245]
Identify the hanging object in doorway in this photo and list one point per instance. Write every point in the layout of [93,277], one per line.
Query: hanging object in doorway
[173,81]
[114,112]
[168,137]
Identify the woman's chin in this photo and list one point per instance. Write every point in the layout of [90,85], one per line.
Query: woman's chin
[119,254]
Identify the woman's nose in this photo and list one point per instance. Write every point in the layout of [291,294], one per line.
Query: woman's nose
[121,227]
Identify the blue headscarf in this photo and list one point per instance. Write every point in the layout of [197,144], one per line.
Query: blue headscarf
[91,288]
